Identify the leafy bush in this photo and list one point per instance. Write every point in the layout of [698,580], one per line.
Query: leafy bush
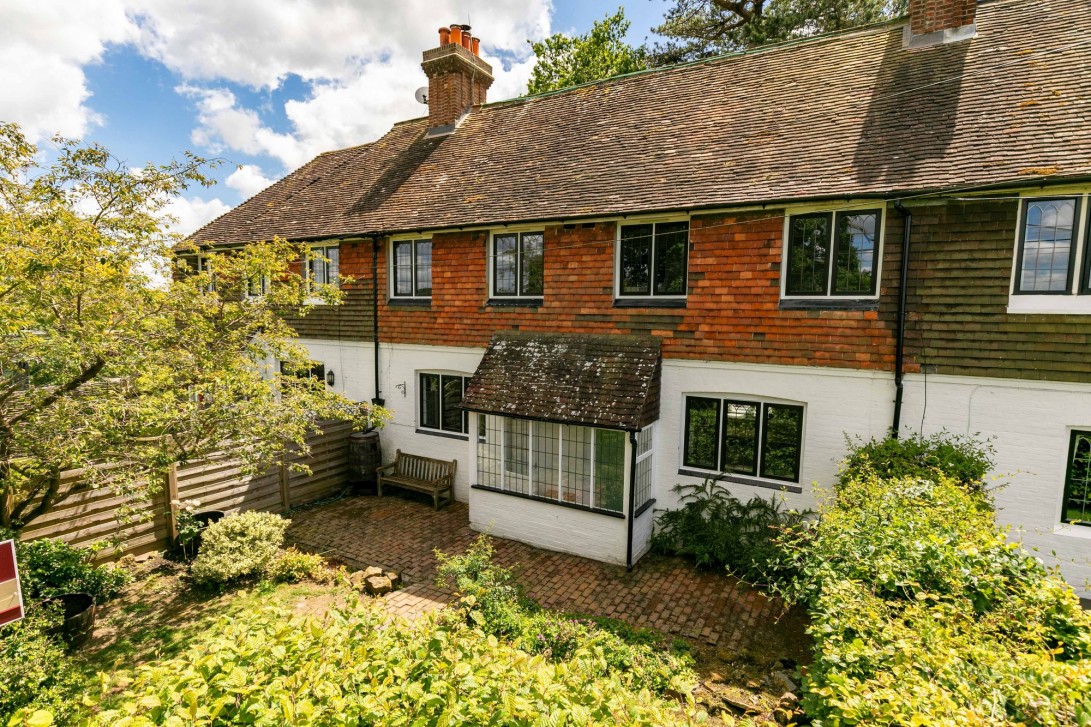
[293,566]
[962,459]
[355,667]
[715,528]
[50,567]
[35,671]
[923,613]
[492,602]
[239,546]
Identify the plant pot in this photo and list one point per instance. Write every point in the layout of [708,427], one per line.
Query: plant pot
[204,518]
[207,517]
[79,618]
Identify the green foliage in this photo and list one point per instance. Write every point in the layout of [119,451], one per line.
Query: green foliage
[701,28]
[923,613]
[565,61]
[355,667]
[491,601]
[35,672]
[292,566]
[239,546]
[963,459]
[112,351]
[715,528]
[51,567]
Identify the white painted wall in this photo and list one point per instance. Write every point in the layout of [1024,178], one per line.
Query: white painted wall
[1029,423]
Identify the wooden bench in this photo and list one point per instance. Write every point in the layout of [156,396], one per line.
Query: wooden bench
[423,474]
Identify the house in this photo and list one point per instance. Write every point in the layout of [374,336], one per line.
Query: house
[587,297]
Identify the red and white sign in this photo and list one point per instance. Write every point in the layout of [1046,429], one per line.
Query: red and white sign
[11,596]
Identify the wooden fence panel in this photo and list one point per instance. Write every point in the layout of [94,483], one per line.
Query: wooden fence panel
[218,483]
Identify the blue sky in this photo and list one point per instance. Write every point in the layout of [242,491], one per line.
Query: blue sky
[262,84]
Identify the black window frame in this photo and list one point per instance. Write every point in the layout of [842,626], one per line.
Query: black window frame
[315,255]
[1017,283]
[318,371]
[761,436]
[653,258]
[464,429]
[834,248]
[1073,437]
[519,293]
[414,258]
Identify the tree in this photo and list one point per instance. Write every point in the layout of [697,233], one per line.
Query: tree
[115,357]
[701,28]
[565,61]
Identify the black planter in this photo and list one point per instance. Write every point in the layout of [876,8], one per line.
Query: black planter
[204,518]
[79,617]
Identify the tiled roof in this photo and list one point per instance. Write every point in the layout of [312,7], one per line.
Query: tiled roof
[605,381]
[854,114]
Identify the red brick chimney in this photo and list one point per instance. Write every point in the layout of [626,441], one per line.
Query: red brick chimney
[457,77]
[940,21]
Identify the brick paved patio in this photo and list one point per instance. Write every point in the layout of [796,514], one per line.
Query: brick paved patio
[399,532]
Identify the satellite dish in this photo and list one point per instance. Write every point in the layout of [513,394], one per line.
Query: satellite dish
[421,95]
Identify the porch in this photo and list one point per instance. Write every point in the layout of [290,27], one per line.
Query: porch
[400,532]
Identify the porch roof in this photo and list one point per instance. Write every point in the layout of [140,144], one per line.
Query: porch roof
[596,380]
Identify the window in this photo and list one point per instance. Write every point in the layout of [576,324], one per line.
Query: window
[734,436]
[643,477]
[257,286]
[832,254]
[1047,247]
[411,268]
[204,267]
[1077,487]
[318,371]
[441,402]
[322,265]
[575,465]
[517,262]
[652,260]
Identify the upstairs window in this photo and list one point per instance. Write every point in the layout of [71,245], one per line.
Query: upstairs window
[1048,247]
[441,403]
[204,267]
[411,273]
[737,436]
[1077,489]
[832,254]
[652,260]
[517,263]
[257,286]
[322,265]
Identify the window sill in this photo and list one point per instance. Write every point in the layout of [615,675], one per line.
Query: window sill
[649,302]
[829,304]
[743,480]
[409,302]
[1026,303]
[1073,530]
[644,508]
[549,501]
[446,435]
[514,302]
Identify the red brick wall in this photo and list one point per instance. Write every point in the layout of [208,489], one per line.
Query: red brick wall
[732,312]
[928,16]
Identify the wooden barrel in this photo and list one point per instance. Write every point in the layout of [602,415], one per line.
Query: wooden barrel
[365,454]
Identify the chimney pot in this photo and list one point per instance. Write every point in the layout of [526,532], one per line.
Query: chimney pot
[444,36]
[466,39]
[477,46]
[456,34]
[458,78]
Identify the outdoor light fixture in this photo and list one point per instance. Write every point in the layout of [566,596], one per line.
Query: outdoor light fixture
[329,378]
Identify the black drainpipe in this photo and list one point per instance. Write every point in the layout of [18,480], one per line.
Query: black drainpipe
[899,353]
[378,400]
[632,501]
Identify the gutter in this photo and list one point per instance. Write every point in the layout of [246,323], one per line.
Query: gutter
[377,400]
[899,351]
[632,503]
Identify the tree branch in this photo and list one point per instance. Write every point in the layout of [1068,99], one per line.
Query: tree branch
[86,375]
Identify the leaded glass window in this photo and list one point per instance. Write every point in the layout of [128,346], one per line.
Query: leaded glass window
[1077,491]
[1047,246]
[518,260]
[411,271]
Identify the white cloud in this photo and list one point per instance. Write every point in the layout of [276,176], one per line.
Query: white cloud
[43,47]
[248,180]
[191,213]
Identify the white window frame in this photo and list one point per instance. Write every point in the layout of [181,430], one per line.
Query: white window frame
[1039,302]
[321,250]
[654,221]
[391,272]
[203,266]
[420,401]
[834,211]
[742,397]
[490,260]
[642,457]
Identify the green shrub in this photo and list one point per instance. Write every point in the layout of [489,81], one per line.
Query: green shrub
[493,602]
[292,566]
[717,529]
[962,459]
[923,613]
[358,668]
[35,671]
[239,546]
[50,567]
